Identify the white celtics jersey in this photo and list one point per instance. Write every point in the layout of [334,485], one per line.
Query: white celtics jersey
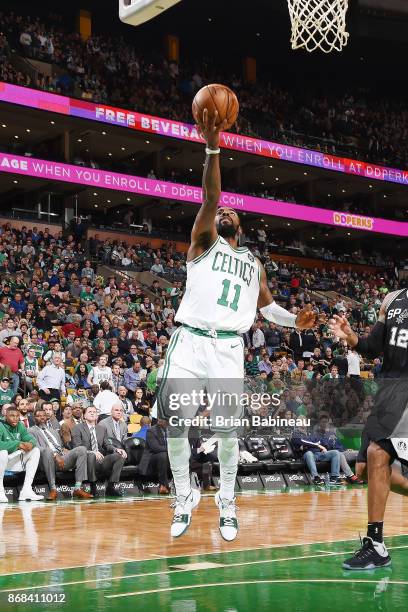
[222,289]
[101,374]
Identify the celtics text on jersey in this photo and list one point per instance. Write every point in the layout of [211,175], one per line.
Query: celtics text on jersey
[222,289]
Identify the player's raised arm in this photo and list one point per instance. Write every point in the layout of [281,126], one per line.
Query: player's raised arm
[305,319]
[204,232]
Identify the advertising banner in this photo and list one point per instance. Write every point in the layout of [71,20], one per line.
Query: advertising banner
[104,179]
[175,129]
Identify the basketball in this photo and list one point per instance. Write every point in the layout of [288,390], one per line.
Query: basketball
[216,98]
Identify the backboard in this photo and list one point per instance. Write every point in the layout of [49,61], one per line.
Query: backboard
[136,12]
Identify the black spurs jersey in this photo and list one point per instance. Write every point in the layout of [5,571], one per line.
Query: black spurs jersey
[389,417]
[395,351]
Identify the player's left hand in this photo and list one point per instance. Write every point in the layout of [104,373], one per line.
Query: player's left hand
[306,318]
[340,327]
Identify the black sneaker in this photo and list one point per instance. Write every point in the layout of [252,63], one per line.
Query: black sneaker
[336,481]
[112,491]
[370,556]
[94,491]
[318,481]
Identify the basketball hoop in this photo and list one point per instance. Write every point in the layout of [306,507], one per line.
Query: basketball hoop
[318,24]
[136,12]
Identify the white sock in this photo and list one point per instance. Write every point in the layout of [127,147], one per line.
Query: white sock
[228,455]
[179,456]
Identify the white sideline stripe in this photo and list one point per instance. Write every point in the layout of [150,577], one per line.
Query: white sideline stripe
[279,581]
[168,571]
[186,568]
[326,552]
[195,555]
[194,567]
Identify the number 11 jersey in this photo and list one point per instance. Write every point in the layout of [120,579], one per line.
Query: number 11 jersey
[222,289]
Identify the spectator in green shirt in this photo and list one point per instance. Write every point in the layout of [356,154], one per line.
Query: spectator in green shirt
[151,381]
[86,294]
[3,256]
[18,453]
[251,365]
[6,393]
[370,386]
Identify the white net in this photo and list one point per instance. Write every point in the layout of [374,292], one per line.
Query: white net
[318,24]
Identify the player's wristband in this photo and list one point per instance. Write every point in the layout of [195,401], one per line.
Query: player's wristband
[275,313]
[212,151]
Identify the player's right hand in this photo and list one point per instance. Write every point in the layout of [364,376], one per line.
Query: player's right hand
[306,318]
[209,129]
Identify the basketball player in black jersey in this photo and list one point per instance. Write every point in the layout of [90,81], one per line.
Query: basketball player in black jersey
[386,431]
[399,472]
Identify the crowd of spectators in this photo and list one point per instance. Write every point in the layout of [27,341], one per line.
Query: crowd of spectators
[264,244]
[110,70]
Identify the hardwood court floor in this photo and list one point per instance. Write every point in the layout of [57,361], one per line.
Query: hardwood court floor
[118,555]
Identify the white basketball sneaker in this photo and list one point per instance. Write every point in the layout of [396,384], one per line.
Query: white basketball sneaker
[228,517]
[29,495]
[183,507]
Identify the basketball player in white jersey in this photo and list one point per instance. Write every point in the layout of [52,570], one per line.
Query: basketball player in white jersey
[225,285]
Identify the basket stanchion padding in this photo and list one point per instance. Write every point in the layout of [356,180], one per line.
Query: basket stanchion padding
[136,12]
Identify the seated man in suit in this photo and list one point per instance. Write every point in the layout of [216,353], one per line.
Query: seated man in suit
[68,425]
[155,459]
[51,420]
[115,425]
[54,455]
[103,457]
[116,428]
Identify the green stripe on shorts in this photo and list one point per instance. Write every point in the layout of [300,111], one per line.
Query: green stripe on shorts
[170,350]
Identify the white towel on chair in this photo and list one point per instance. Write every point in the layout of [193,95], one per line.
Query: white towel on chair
[246,457]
